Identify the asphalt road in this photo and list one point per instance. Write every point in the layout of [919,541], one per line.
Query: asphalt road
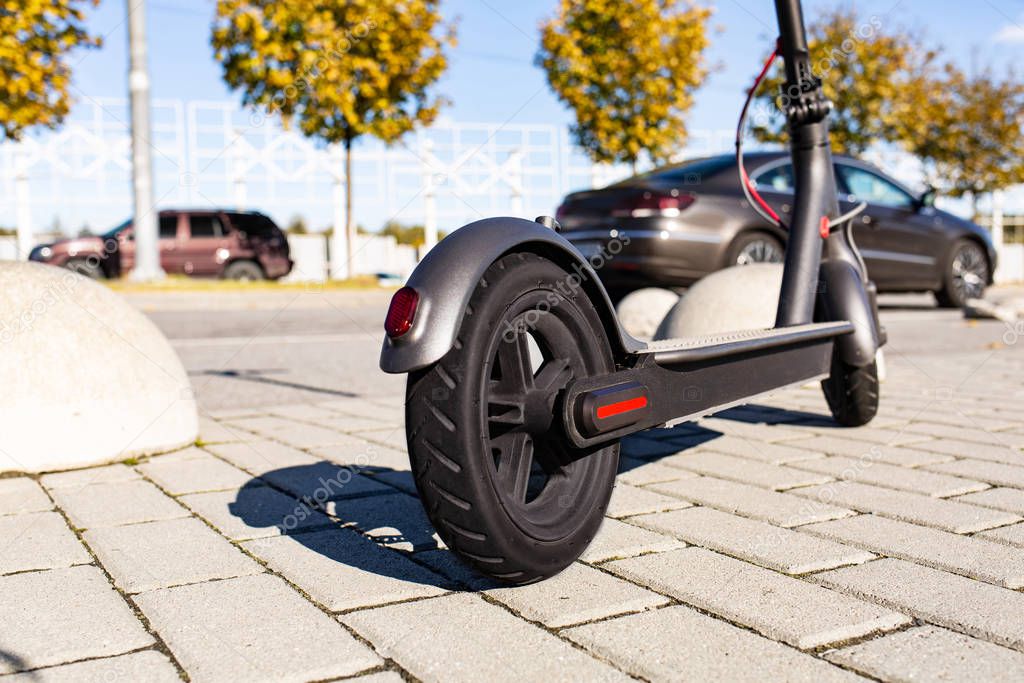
[250,349]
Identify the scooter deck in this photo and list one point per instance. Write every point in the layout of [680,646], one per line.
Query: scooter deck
[686,378]
[687,349]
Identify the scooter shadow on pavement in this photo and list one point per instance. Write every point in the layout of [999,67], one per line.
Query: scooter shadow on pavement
[339,512]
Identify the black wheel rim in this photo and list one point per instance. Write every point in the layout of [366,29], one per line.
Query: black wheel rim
[538,475]
[759,251]
[970,272]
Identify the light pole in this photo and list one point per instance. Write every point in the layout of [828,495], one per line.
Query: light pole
[147,256]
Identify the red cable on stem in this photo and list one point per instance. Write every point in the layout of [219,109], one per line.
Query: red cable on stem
[748,184]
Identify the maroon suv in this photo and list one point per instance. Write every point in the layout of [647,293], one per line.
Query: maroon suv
[210,243]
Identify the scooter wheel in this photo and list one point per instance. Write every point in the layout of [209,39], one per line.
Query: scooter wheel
[504,487]
[852,392]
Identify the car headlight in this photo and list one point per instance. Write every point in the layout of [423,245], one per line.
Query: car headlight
[45,252]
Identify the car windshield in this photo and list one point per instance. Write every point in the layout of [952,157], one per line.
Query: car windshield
[113,231]
[690,172]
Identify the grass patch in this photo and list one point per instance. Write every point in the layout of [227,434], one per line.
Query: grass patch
[180,283]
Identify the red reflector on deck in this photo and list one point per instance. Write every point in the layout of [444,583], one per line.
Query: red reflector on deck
[621,407]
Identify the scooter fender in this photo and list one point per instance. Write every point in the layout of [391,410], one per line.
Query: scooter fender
[842,295]
[446,278]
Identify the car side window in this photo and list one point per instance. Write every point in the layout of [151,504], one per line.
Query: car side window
[168,227]
[775,179]
[205,227]
[874,189]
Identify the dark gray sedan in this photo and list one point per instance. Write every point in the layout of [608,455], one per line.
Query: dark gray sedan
[688,220]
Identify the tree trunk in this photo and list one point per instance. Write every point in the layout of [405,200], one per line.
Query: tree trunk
[350,223]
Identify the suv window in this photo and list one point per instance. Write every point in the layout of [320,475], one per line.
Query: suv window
[168,227]
[254,225]
[872,188]
[775,179]
[205,226]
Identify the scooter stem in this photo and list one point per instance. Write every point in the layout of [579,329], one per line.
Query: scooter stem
[806,111]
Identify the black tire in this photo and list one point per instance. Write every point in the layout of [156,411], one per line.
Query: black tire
[90,268]
[852,392]
[964,276]
[481,410]
[244,270]
[755,247]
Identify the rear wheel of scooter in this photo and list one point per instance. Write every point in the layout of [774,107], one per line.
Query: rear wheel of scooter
[500,481]
[852,392]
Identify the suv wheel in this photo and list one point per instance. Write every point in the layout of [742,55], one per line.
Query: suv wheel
[965,276]
[244,270]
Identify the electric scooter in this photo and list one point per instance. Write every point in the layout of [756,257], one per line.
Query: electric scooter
[522,382]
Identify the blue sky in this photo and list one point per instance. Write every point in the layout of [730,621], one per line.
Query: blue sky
[492,78]
[492,73]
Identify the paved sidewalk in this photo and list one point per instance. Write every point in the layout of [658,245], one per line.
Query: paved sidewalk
[762,543]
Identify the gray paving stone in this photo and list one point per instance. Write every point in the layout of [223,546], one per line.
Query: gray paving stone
[253,628]
[304,412]
[1008,535]
[94,475]
[777,606]
[349,424]
[360,408]
[149,665]
[113,504]
[780,509]
[744,470]
[63,615]
[639,473]
[397,521]
[991,472]
[458,573]
[873,433]
[211,431]
[883,453]
[632,500]
[144,557]
[21,494]
[1006,499]
[769,546]
[342,570]
[258,457]
[961,433]
[578,594]
[760,432]
[38,540]
[616,540]
[929,653]
[452,638]
[972,607]
[382,677]
[369,457]
[681,644]
[970,556]
[756,449]
[323,481]
[193,472]
[940,513]
[867,471]
[255,511]
[994,452]
[291,432]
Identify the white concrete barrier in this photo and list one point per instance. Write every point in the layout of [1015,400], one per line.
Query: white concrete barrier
[642,311]
[86,377]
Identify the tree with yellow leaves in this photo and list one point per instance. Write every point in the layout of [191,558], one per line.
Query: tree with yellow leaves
[35,39]
[628,70]
[969,132]
[339,69]
[875,76]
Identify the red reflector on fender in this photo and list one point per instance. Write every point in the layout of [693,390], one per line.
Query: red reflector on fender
[626,406]
[401,312]
[824,227]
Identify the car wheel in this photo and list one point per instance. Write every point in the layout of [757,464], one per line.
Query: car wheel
[246,271]
[965,275]
[755,247]
[87,267]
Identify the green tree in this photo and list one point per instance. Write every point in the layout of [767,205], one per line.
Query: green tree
[875,78]
[628,70]
[339,69]
[35,39]
[970,133]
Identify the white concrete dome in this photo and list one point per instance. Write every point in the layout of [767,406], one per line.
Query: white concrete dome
[86,378]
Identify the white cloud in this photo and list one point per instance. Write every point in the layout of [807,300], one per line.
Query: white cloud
[1011,33]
